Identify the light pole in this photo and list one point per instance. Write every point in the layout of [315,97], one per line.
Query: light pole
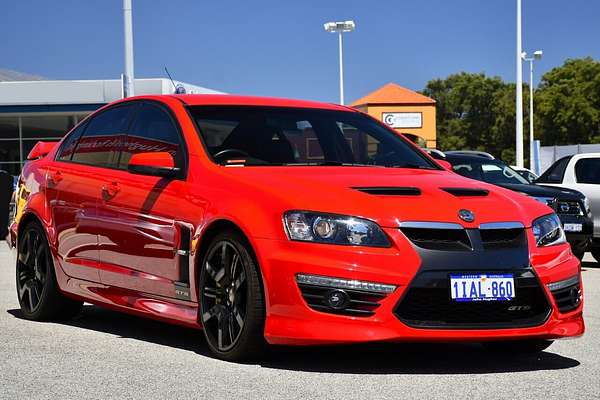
[519,96]
[339,28]
[128,79]
[537,55]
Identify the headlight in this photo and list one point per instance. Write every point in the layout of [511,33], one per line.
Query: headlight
[548,231]
[310,226]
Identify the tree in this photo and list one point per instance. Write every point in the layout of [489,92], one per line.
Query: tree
[475,112]
[567,108]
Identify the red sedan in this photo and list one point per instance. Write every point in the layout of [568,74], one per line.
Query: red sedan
[268,221]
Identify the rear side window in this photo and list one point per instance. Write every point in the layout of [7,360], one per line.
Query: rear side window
[587,170]
[66,149]
[152,130]
[102,140]
[556,172]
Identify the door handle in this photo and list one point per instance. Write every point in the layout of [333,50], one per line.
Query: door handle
[54,177]
[110,190]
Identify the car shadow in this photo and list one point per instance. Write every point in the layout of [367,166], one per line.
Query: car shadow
[381,358]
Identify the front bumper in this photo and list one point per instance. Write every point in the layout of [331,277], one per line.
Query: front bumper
[579,241]
[290,321]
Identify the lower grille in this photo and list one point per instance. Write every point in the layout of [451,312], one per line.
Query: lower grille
[567,298]
[427,304]
[359,303]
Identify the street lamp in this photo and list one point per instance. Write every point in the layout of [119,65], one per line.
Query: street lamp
[128,78]
[339,28]
[537,55]
[519,93]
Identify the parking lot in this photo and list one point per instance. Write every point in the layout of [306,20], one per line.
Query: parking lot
[103,354]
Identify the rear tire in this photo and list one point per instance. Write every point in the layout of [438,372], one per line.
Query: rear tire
[38,293]
[518,347]
[232,306]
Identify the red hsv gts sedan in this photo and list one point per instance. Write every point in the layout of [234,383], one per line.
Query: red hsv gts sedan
[268,221]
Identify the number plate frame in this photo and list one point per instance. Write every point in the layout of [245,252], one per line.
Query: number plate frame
[480,287]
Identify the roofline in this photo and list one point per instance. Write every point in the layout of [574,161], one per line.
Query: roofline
[429,103]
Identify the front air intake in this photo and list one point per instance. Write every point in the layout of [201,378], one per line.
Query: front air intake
[389,190]
[466,192]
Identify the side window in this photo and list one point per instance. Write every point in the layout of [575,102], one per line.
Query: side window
[556,172]
[68,145]
[102,140]
[152,130]
[587,170]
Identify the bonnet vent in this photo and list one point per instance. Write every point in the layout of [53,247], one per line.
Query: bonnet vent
[466,192]
[389,190]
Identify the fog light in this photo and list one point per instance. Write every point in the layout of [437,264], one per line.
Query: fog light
[337,299]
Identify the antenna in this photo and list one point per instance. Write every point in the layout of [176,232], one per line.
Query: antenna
[179,89]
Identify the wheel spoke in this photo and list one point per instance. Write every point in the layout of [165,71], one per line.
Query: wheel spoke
[230,328]
[214,311]
[234,263]
[33,297]
[240,280]
[210,292]
[216,275]
[238,317]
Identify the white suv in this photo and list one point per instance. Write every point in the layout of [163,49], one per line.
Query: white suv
[580,172]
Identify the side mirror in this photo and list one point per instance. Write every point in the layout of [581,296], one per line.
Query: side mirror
[153,164]
[41,149]
[445,164]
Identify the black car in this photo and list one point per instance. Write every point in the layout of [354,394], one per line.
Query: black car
[568,204]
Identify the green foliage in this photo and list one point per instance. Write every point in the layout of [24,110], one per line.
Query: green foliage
[477,112]
[567,105]
[474,112]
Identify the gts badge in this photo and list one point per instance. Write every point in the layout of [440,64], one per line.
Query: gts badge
[182,291]
[519,308]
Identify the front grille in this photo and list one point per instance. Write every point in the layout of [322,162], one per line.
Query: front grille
[494,239]
[361,303]
[439,239]
[427,304]
[568,207]
[460,239]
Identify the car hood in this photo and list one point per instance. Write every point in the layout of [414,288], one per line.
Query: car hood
[338,190]
[545,191]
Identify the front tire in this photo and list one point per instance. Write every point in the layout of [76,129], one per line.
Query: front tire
[232,306]
[518,347]
[39,296]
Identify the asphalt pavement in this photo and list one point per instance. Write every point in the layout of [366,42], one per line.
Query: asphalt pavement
[106,355]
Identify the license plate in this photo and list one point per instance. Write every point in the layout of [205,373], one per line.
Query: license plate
[573,227]
[479,287]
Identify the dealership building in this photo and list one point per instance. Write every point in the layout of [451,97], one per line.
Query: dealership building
[404,110]
[31,111]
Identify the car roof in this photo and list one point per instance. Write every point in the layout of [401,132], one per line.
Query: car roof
[472,152]
[236,100]
[461,157]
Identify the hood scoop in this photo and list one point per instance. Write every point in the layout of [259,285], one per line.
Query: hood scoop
[466,192]
[389,190]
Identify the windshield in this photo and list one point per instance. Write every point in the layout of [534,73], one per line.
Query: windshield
[259,136]
[487,171]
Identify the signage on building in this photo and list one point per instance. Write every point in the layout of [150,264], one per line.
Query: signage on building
[403,119]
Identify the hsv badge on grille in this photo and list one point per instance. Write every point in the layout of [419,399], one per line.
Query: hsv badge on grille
[466,215]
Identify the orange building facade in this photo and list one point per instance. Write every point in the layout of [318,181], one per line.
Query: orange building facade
[408,112]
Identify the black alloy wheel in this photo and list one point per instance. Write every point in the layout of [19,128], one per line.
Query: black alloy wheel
[37,290]
[231,303]
[32,270]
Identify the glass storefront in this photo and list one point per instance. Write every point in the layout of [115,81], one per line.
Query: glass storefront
[19,133]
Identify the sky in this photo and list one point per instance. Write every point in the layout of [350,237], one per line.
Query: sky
[279,47]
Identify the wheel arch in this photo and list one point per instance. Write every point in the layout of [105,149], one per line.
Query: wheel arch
[203,239]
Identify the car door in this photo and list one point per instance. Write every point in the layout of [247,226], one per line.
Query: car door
[583,174]
[142,241]
[73,189]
